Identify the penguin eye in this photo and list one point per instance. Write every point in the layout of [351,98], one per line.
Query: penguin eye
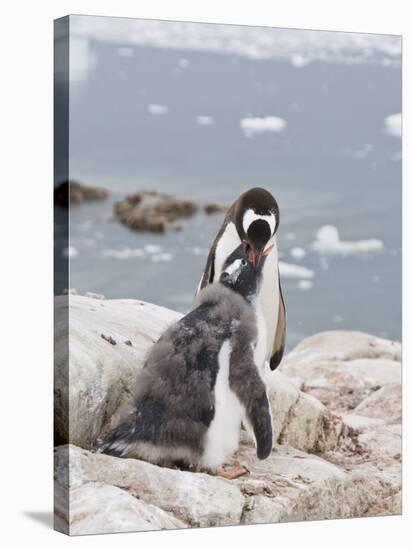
[243,262]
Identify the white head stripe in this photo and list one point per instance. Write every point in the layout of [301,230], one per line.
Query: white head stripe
[250,216]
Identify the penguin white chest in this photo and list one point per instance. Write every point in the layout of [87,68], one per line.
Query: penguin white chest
[268,299]
[222,437]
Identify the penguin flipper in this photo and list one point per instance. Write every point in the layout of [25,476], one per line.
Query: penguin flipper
[280,334]
[261,422]
[253,396]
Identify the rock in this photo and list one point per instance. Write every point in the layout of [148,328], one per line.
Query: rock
[384,404]
[294,486]
[112,494]
[75,192]
[152,211]
[98,508]
[195,499]
[299,419]
[95,295]
[101,375]
[357,474]
[342,368]
[214,207]
[339,345]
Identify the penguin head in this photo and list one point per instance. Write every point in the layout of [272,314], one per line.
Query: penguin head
[257,220]
[241,275]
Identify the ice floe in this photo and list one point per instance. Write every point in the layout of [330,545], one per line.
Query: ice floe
[123,253]
[393,125]
[163,257]
[153,248]
[299,60]
[258,125]
[328,242]
[297,253]
[293,271]
[156,109]
[296,45]
[204,120]
[183,63]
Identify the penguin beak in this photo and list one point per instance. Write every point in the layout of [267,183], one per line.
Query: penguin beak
[254,255]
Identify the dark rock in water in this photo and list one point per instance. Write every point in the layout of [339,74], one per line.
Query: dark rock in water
[213,207]
[152,211]
[76,192]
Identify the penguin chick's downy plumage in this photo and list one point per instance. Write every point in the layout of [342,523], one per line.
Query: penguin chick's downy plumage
[252,220]
[200,381]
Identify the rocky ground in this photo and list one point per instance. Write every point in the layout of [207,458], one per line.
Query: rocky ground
[336,403]
[153,211]
[74,192]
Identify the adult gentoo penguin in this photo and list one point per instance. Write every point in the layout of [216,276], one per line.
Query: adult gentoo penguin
[201,381]
[253,220]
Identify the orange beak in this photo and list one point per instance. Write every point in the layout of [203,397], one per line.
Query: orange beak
[254,255]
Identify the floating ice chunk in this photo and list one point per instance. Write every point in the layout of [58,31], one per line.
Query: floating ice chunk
[183,63]
[163,257]
[153,248]
[290,236]
[337,318]
[299,60]
[393,125]
[293,271]
[156,109]
[70,252]
[125,51]
[258,125]
[123,254]
[204,120]
[305,284]
[297,253]
[328,242]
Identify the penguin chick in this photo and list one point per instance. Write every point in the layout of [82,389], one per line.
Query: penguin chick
[200,381]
